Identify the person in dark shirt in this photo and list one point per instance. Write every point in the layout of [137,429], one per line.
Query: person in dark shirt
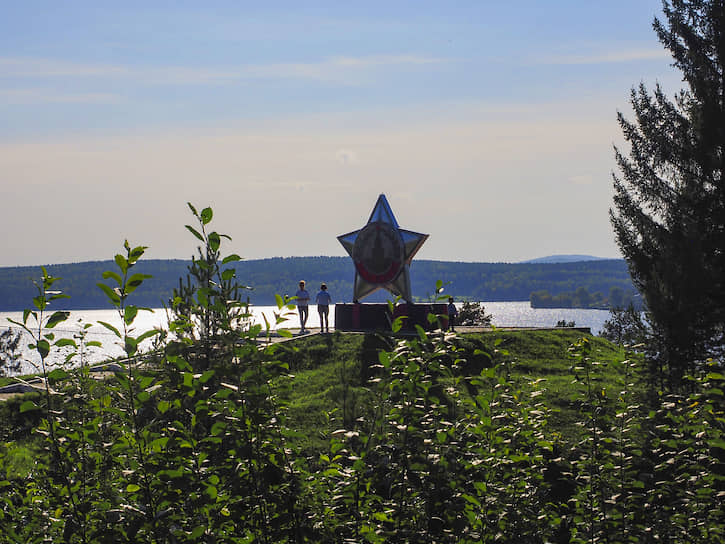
[324,300]
[452,314]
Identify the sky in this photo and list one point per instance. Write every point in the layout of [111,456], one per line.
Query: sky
[488,125]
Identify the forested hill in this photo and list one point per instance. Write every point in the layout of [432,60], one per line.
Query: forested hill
[267,277]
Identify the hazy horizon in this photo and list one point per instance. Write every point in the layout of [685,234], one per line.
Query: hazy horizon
[564,259]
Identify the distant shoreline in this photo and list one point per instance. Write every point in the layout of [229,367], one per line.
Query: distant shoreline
[502,282]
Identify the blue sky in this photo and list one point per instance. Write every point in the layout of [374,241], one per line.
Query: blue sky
[488,125]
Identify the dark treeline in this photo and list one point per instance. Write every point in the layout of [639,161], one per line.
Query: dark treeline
[582,298]
[268,277]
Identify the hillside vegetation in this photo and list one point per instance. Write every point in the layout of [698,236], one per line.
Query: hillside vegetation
[212,436]
[471,281]
[510,436]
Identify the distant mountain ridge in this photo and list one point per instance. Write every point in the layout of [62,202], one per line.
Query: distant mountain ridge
[552,259]
[495,282]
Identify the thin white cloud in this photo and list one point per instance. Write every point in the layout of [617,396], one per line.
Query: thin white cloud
[336,68]
[386,60]
[608,57]
[43,96]
[18,67]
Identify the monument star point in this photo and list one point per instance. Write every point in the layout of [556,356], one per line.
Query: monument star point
[382,253]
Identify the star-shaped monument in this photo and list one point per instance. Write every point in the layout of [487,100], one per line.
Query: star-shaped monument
[382,253]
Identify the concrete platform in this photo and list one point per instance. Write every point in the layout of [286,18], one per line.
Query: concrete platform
[378,317]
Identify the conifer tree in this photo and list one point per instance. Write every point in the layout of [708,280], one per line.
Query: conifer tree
[669,203]
[9,351]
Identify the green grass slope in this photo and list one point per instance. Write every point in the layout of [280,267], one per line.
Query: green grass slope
[329,379]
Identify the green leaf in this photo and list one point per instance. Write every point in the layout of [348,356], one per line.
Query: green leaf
[130,345]
[135,254]
[129,314]
[201,296]
[132,488]
[206,376]
[228,274]
[111,328]
[27,406]
[65,342]
[214,241]
[163,406]
[136,280]
[122,263]
[147,334]
[384,358]
[206,215]
[112,295]
[43,348]
[195,232]
[114,276]
[218,428]
[159,444]
[57,317]
[58,374]
[231,258]
[193,209]
[39,302]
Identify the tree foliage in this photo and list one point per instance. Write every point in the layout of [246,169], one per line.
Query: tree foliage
[626,327]
[9,351]
[473,314]
[669,203]
[582,298]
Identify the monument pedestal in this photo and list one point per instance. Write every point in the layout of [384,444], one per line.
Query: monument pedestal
[377,317]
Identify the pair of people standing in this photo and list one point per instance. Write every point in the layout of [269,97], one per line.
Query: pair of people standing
[323,300]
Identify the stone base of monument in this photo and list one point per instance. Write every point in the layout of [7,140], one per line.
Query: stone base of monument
[377,317]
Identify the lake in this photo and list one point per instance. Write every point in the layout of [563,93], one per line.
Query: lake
[505,314]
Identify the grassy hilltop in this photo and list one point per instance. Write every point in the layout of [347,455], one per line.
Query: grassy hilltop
[331,373]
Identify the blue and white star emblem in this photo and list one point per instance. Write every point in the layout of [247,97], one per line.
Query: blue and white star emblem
[382,253]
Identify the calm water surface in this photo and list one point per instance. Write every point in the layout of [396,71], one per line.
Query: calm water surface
[505,314]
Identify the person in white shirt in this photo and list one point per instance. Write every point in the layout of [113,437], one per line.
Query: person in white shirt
[324,300]
[303,299]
